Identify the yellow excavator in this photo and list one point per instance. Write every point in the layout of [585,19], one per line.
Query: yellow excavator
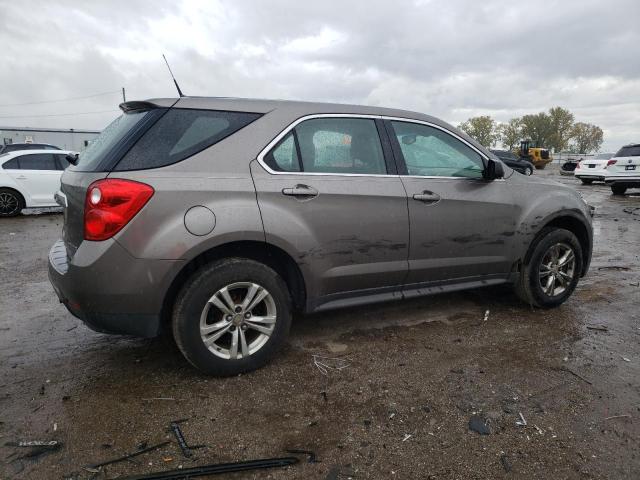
[539,156]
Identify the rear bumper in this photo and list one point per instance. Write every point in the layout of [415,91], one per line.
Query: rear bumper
[108,289]
[589,176]
[629,182]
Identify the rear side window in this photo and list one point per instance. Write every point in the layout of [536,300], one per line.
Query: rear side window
[181,133]
[37,161]
[630,151]
[330,145]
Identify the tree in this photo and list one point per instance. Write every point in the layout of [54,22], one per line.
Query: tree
[482,128]
[538,128]
[587,138]
[562,125]
[511,133]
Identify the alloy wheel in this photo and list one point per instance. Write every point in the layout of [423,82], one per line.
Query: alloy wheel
[9,204]
[557,269]
[238,320]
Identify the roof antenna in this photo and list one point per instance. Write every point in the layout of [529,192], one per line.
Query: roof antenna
[174,78]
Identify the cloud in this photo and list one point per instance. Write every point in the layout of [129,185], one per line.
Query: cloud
[449,59]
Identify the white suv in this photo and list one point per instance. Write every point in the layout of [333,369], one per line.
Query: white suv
[30,178]
[623,170]
[593,169]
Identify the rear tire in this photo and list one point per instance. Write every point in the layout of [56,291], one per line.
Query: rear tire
[545,284]
[586,181]
[618,190]
[11,202]
[214,301]
[528,171]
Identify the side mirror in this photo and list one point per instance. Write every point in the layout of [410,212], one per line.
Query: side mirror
[72,158]
[494,170]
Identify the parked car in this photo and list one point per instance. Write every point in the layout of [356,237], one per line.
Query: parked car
[29,178]
[623,170]
[592,169]
[512,160]
[217,218]
[12,147]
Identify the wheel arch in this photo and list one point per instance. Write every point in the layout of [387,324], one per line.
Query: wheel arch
[266,253]
[575,225]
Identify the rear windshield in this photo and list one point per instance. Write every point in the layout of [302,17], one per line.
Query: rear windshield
[94,156]
[181,133]
[630,151]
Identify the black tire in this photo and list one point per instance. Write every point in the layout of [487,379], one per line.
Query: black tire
[528,171]
[528,287]
[586,181]
[11,202]
[195,295]
[618,189]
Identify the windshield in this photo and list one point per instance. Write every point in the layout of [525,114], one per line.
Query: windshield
[91,158]
[629,151]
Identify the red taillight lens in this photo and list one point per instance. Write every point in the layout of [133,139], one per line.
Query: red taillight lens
[110,204]
[611,162]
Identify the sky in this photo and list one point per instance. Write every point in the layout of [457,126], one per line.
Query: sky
[452,59]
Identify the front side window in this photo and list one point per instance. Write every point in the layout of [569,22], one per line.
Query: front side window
[37,161]
[430,152]
[330,145]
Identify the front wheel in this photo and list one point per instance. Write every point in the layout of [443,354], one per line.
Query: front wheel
[551,274]
[618,190]
[528,171]
[232,316]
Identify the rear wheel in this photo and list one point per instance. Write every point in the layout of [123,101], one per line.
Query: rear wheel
[555,264]
[528,171]
[586,181]
[11,202]
[618,190]
[232,316]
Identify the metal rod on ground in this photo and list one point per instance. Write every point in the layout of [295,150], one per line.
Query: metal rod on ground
[216,469]
[127,457]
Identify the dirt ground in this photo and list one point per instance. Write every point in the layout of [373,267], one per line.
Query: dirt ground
[415,373]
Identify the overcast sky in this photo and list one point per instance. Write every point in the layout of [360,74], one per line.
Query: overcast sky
[452,59]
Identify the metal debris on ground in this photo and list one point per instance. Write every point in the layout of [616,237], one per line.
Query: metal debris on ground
[618,416]
[486,316]
[35,443]
[506,464]
[600,328]
[312,456]
[522,422]
[216,469]
[615,267]
[324,364]
[407,436]
[625,359]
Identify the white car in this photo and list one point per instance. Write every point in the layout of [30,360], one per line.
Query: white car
[623,170]
[592,169]
[30,178]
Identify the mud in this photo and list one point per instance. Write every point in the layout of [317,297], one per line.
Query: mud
[418,372]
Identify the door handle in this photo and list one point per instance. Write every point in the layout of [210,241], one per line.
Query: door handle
[304,191]
[21,177]
[427,197]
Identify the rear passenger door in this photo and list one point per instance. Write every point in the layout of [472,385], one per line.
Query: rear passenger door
[39,175]
[329,194]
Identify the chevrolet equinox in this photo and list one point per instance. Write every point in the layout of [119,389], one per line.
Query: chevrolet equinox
[216,218]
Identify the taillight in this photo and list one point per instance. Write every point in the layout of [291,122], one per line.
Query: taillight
[578,165]
[610,162]
[110,204]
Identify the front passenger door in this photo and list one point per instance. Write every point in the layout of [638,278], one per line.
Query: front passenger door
[461,225]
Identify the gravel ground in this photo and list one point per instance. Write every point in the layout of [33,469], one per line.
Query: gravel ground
[415,374]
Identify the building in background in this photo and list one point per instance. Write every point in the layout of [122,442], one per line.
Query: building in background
[66,139]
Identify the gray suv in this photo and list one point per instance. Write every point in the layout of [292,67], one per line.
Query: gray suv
[216,218]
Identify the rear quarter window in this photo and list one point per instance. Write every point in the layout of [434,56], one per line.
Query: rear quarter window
[181,133]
